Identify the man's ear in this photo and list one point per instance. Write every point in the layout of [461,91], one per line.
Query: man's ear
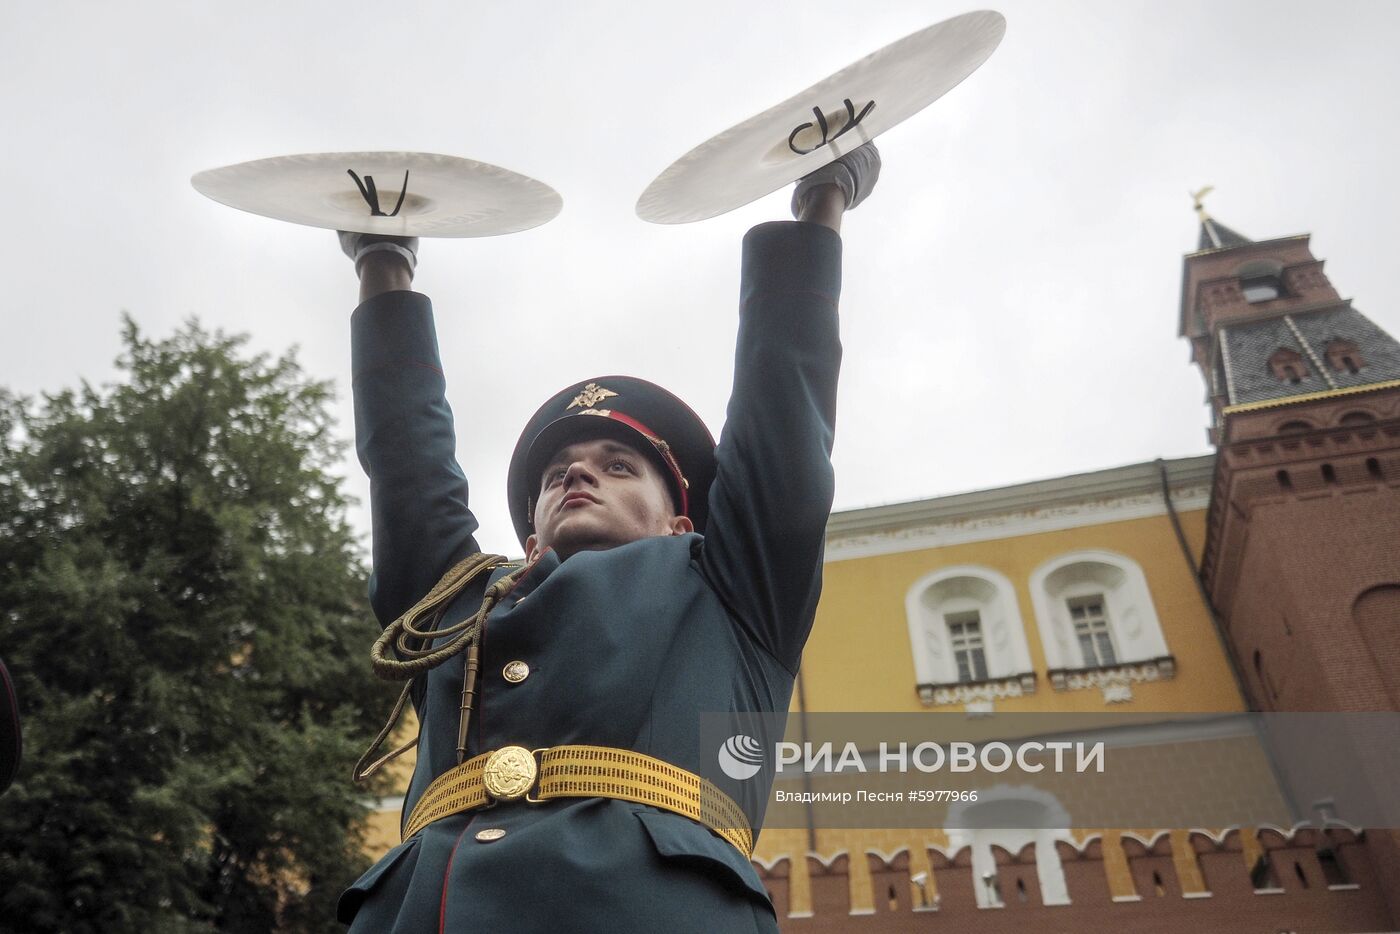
[530,553]
[681,524]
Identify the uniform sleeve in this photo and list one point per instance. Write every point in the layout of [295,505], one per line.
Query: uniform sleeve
[407,446]
[772,493]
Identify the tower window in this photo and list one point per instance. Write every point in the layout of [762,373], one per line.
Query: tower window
[1092,630]
[965,635]
[1344,356]
[1261,289]
[1261,281]
[1289,365]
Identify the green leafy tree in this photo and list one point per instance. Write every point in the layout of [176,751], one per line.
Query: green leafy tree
[181,602]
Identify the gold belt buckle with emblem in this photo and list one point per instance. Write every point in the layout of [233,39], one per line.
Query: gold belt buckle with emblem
[510,774]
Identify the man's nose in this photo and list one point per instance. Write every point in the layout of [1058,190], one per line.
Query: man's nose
[578,472]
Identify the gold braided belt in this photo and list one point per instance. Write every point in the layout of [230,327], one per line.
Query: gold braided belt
[514,772]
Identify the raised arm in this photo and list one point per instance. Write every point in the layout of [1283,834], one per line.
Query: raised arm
[403,429]
[773,489]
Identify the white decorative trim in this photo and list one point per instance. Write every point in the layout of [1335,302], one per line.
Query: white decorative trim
[1116,681]
[1127,898]
[1082,845]
[848,546]
[1312,354]
[1343,887]
[1112,495]
[1270,892]
[862,911]
[1197,894]
[1223,342]
[1288,833]
[1117,692]
[885,858]
[942,695]
[1147,843]
[826,863]
[800,914]
[769,864]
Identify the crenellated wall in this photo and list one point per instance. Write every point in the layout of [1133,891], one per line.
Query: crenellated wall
[1304,879]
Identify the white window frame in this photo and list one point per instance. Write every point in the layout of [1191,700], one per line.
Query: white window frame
[973,644]
[1132,616]
[962,589]
[1092,626]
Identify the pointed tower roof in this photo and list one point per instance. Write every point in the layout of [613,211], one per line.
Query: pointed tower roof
[1215,235]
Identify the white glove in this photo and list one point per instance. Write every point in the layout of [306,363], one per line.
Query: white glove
[359,245]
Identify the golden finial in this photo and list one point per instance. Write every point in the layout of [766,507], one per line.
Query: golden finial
[1196,196]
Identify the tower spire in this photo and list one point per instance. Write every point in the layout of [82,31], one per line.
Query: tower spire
[1214,235]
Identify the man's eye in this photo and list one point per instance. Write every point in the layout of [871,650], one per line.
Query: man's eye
[622,464]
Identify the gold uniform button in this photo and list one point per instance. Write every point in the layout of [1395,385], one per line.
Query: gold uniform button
[489,834]
[515,672]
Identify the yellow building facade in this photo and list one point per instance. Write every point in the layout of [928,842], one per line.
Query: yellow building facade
[861,655]
[1006,562]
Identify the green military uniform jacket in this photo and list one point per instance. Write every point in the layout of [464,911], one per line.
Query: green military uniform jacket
[626,647]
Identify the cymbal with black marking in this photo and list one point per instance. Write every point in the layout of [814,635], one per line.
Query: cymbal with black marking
[823,123]
[405,194]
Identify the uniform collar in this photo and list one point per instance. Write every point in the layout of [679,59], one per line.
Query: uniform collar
[535,573]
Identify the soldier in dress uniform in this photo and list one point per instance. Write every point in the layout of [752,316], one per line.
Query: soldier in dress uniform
[559,697]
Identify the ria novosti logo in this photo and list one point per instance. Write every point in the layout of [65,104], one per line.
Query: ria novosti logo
[741,757]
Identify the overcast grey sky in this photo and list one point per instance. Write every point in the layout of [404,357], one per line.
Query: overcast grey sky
[1010,306]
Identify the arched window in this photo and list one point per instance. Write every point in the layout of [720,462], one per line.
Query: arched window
[1344,356]
[1288,365]
[1357,417]
[1376,613]
[968,641]
[1042,821]
[1260,281]
[1294,426]
[1098,624]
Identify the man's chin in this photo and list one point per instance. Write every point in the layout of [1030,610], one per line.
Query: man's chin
[575,537]
[565,549]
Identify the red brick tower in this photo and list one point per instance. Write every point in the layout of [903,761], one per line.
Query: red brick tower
[1302,558]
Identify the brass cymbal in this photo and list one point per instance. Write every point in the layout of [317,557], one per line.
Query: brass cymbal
[406,194]
[823,123]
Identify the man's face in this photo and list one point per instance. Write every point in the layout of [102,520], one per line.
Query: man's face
[596,495]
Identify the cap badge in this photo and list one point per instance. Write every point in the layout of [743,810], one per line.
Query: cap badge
[592,394]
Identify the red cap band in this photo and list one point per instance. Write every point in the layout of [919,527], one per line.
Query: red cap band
[663,449]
